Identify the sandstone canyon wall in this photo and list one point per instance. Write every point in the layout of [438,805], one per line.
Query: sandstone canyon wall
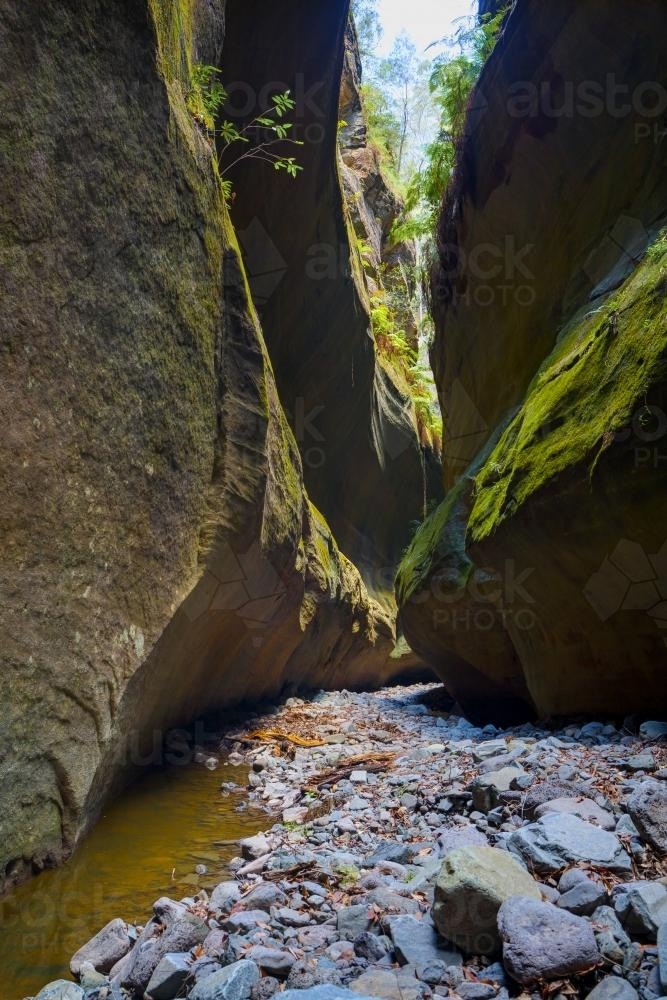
[358,438]
[539,584]
[160,553]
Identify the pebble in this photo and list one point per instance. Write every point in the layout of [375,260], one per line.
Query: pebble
[611,938]
[613,988]
[271,960]
[476,991]
[244,920]
[583,898]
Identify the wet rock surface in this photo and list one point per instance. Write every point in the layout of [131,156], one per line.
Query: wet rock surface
[374,800]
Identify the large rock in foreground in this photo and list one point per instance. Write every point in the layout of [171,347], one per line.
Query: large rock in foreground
[542,942]
[472,885]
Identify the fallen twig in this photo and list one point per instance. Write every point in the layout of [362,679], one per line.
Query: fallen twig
[362,761]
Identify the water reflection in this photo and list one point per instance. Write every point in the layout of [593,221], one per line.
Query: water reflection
[147,844]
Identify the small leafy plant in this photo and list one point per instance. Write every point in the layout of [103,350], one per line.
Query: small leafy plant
[349,875]
[206,95]
[659,247]
[255,140]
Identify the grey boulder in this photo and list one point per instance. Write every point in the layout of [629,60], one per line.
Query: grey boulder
[390,850]
[582,807]
[254,847]
[662,956]
[558,840]
[613,988]
[352,921]
[542,942]
[579,894]
[486,787]
[648,808]
[170,973]
[245,920]
[416,942]
[234,982]
[224,896]
[60,989]
[653,730]
[641,907]
[184,934]
[472,884]
[460,836]
[103,950]
[264,896]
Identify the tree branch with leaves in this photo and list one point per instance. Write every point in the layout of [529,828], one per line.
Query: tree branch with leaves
[269,129]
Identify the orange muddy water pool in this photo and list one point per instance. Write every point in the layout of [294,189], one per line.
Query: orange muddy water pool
[147,844]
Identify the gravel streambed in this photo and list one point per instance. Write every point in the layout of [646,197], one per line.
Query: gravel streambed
[416,855]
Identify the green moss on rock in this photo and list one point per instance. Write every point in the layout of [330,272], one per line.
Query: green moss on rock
[605,361]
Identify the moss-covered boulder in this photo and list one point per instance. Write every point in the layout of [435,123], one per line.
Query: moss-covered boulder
[538,586]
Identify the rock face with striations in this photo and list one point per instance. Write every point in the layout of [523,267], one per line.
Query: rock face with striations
[355,425]
[538,585]
[160,555]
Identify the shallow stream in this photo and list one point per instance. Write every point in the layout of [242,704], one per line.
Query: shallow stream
[146,845]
